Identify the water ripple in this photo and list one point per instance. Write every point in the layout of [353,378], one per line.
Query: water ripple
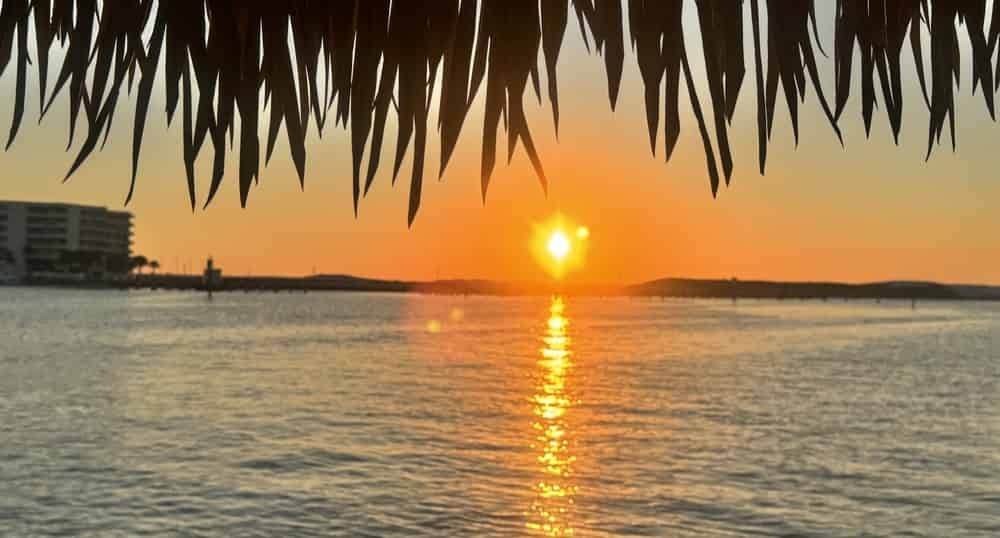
[159,414]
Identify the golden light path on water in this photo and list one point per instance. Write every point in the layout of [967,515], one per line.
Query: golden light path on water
[553,506]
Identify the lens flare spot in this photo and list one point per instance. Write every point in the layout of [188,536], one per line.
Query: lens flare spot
[582,233]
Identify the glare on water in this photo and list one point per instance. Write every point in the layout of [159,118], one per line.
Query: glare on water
[552,510]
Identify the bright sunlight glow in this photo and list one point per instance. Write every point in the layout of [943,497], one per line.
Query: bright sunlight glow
[558,245]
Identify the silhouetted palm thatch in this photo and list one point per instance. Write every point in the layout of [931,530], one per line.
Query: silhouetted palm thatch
[362,60]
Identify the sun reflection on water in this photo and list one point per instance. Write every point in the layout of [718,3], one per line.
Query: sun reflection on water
[552,509]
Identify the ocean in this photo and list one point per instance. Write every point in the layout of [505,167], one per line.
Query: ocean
[372,415]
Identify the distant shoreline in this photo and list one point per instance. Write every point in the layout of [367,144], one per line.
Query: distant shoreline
[669,287]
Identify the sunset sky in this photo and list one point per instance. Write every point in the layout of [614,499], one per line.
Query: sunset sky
[872,211]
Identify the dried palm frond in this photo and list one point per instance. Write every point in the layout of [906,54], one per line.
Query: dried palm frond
[375,59]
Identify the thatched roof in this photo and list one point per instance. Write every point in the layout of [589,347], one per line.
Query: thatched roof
[356,62]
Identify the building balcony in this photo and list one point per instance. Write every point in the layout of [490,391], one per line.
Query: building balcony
[47,210]
[45,234]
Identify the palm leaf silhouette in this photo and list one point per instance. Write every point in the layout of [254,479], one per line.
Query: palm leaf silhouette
[227,62]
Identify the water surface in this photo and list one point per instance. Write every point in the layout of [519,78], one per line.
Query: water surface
[153,413]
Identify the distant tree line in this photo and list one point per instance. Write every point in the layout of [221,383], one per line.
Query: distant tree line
[82,261]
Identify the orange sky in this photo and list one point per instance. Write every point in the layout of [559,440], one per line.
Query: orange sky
[873,211]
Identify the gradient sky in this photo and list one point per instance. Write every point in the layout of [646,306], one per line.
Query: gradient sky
[872,211]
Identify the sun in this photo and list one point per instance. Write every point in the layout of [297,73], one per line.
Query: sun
[558,245]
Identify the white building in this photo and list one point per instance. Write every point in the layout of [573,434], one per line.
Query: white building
[38,235]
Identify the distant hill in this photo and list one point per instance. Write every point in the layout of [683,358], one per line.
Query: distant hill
[682,287]
[496,287]
[978,292]
[666,287]
[349,283]
[688,287]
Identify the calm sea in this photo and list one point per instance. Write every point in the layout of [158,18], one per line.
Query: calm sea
[156,413]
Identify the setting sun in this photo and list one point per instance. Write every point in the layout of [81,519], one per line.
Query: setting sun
[559,245]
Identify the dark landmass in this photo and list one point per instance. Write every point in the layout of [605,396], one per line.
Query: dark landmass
[668,287]
[493,287]
[724,289]
[978,292]
[750,289]
[268,283]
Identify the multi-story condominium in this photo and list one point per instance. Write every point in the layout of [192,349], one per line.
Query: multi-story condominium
[39,236]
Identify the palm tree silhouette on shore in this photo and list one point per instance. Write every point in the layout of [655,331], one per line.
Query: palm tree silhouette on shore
[140,263]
